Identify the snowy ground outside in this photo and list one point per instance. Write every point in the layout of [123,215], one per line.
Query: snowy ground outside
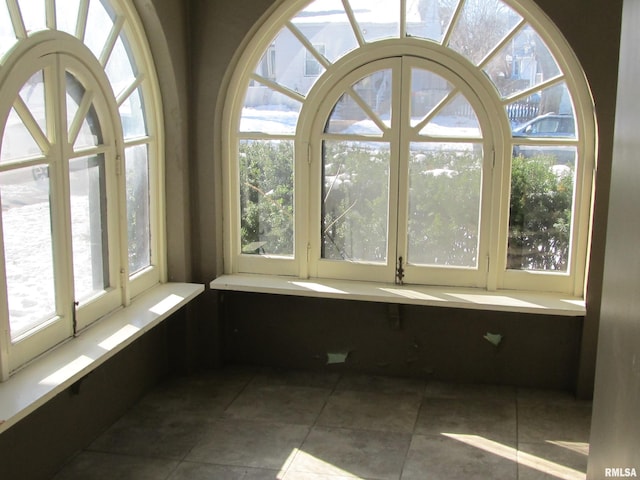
[283,121]
[28,255]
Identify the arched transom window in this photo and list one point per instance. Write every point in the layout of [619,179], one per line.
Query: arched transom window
[437,142]
[79,169]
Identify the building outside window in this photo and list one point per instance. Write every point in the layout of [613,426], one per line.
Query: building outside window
[312,67]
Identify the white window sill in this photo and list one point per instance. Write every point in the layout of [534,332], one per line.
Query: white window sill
[41,380]
[469,298]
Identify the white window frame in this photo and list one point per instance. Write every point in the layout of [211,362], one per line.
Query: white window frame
[304,263]
[68,50]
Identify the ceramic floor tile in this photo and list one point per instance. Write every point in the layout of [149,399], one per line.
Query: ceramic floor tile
[201,471]
[290,475]
[371,411]
[249,443]
[491,419]
[153,435]
[298,378]
[565,422]
[436,389]
[458,457]
[205,395]
[273,424]
[105,466]
[533,395]
[279,403]
[351,453]
[380,384]
[550,461]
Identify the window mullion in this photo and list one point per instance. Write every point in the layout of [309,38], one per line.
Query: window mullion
[499,177]
[111,41]
[83,14]
[123,237]
[403,137]
[55,91]
[51,14]
[16,19]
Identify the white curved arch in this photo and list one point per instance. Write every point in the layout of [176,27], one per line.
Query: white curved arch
[309,104]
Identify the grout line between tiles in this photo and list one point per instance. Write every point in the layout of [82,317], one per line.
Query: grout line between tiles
[313,424]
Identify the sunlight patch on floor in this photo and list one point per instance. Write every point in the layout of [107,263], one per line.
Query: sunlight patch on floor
[578,447]
[312,466]
[523,458]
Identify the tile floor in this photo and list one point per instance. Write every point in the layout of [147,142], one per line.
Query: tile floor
[268,424]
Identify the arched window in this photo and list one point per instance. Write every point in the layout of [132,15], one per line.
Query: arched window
[80,166]
[435,142]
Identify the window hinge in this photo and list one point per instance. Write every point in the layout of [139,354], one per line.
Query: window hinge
[309,153]
[308,251]
[493,157]
[118,165]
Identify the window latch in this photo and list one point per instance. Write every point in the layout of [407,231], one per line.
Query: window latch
[74,308]
[399,272]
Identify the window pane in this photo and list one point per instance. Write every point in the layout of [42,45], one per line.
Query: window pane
[287,63]
[523,63]
[481,26]
[348,117]
[32,94]
[7,35]
[553,118]
[427,91]
[17,142]
[67,15]
[26,223]
[540,213]
[138,208]
[89,133]
[312,66]
[456,118]
[355,198]
[33,15]
[268,111]
[326,22]
[89,226]
[375,91]
[132,116]
[444,204]
[119,69]
[521,111]
[266,197]
[378,19]
[428,18]
[99,25]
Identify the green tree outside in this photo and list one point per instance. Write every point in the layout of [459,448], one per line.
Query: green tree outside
[444,205]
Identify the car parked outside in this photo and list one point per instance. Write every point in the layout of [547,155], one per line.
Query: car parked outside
[552,126]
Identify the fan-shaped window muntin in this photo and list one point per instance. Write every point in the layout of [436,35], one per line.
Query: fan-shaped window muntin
[526,70]
[79,169]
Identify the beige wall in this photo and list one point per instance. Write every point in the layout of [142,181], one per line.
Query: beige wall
[615,439]
[166,26]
